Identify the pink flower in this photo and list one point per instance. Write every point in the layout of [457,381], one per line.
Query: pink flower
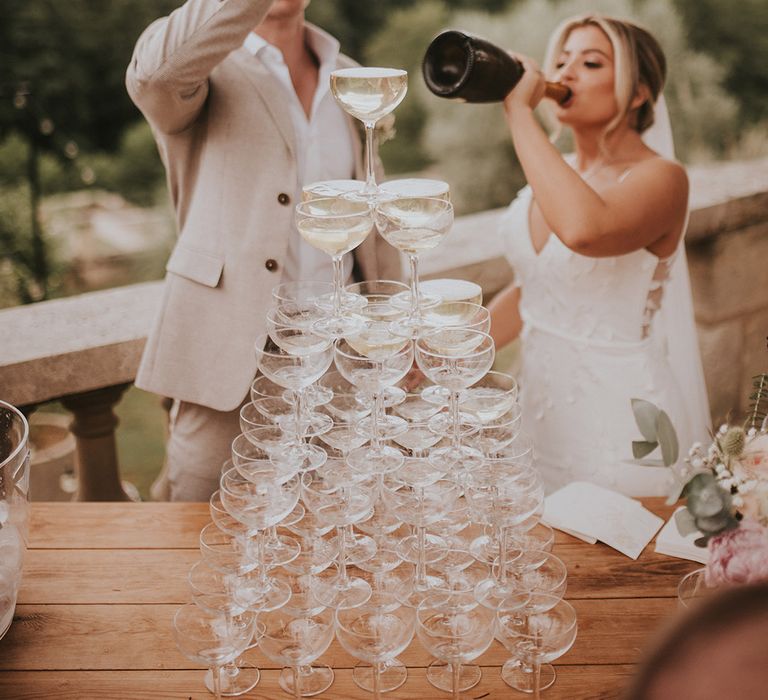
[752,463]
[739,555]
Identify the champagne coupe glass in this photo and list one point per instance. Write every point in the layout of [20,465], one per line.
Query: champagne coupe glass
[376,341]
[536,628]
[492,397]
[414,225]
[455,358]
[382,290]
[290,326]
[479,493]
[414,187]
[459,314]
[375,636]
[447,292]
[450,290]
[318,294]
[419,507]
[212,591]
[315,678]
[296,638]
[259,502]
[512,502]
[336,226]
[495,435]
[331,188]
[372,373]
[297,373]
[454,631]
[271,400]
[369,94]
[339,505]
[251,454]
[210,638]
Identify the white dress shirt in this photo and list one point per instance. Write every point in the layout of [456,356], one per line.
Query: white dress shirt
[324,146]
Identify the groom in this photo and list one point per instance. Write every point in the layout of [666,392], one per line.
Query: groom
[237,95]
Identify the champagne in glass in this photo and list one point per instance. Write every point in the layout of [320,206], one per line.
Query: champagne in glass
[368,94]
[414,225]
[415,187]
[336,226]
[330,188]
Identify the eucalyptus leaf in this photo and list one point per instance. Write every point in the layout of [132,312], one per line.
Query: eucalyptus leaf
[645,417]
[686,525]
[667,437]
[717,523]
[708,502]
[641,448]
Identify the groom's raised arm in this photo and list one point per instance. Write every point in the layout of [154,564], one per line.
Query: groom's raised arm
[168,75]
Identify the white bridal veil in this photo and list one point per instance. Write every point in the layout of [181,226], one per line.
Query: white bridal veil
[675,319]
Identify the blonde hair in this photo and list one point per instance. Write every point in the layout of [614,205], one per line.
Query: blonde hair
[638,60]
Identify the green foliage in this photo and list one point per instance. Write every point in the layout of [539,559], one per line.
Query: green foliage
[758,408]
[710,506]
[657,431]
[736,36]
[19,279]
[400,44]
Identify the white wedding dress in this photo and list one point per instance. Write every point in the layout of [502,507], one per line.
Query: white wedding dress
[591,342]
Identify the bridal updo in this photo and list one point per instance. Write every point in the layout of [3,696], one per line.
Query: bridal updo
[638,60]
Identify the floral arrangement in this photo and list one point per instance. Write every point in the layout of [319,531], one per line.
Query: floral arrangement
[725,486]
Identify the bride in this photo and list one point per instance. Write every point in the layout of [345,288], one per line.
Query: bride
[601,297]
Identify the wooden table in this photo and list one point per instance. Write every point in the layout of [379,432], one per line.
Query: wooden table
[102,580]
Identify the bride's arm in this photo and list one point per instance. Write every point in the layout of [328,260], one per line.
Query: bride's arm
[506,323]
[648,205]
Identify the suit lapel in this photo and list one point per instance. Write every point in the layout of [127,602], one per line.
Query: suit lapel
[271,91]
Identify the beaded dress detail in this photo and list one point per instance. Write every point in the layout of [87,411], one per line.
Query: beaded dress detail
[588,347]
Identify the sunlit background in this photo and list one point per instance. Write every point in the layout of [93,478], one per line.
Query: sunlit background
[83,204]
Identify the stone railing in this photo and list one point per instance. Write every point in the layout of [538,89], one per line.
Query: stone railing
[85,350]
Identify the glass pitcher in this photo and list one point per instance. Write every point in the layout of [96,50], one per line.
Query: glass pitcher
[14,507]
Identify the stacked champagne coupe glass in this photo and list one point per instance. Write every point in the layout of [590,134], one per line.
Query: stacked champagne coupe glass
[381,488]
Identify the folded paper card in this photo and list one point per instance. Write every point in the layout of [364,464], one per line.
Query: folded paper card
[593,513]
[677,538]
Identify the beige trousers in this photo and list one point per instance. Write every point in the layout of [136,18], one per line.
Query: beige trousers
[199,442]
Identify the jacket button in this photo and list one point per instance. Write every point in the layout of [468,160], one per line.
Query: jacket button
[271,265]
[283,198]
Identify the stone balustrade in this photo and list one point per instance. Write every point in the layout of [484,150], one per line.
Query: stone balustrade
[85,350]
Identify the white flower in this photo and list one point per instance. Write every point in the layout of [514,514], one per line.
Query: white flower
[738,501]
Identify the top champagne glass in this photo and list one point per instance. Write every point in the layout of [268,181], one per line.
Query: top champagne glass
[368,94]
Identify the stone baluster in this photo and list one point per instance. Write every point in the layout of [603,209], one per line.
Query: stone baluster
[93,425]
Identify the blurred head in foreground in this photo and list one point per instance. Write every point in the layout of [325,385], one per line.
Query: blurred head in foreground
[719,651]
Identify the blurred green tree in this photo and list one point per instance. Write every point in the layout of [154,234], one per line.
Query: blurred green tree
[736,35]
[62,93]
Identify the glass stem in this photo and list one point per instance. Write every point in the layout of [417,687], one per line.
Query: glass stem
[415,307]
[377,681]
[503,556]
[455,674]
[338,273]
[296,682]
[342,557]
[536,679]
[421,566]
[370,158]
[262,559]
[216,679]
[377,406]
[455,420]
[298,415]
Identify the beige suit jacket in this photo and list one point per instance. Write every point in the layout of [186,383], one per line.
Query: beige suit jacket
[224,133]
